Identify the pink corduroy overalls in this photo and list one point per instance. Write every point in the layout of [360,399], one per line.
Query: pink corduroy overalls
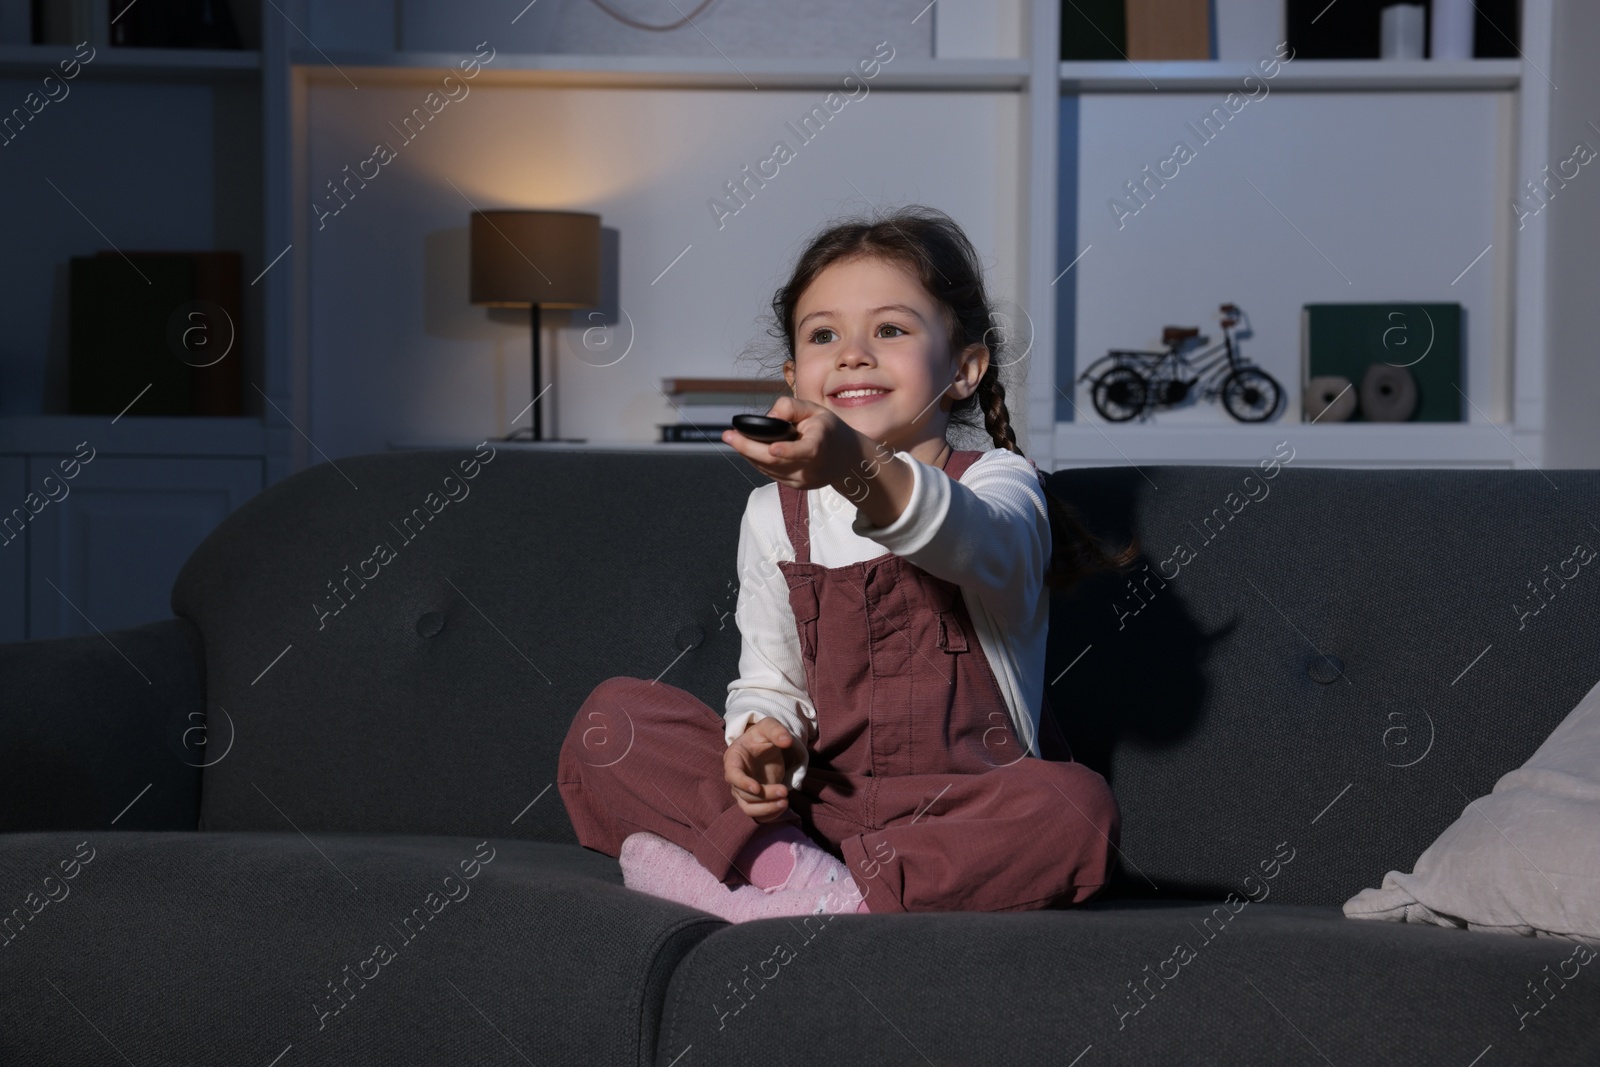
[916,779]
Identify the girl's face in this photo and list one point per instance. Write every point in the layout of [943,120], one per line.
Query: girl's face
[871,346]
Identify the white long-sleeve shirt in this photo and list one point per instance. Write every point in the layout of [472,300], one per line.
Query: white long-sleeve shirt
[989,533]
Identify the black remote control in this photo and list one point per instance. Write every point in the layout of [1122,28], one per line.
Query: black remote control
[765,428]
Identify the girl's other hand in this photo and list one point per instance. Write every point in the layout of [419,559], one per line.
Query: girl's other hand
[828,448]
[756,765]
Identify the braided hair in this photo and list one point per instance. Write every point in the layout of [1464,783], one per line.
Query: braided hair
[932,247]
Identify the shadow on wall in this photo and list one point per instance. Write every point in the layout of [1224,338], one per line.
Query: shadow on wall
[1115,692]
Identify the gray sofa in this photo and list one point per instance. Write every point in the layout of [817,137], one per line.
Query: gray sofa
[288,827]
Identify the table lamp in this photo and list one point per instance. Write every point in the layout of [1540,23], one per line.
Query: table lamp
[535,259]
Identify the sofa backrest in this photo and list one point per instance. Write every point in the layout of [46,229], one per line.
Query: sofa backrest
[1330,666]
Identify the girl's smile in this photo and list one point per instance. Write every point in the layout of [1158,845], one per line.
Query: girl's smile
[853,397]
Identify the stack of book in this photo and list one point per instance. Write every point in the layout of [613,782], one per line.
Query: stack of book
[706,406]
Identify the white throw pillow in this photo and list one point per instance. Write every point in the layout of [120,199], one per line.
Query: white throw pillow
[1525,859]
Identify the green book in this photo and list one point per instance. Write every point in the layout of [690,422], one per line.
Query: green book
[1344,339]
[1094,29]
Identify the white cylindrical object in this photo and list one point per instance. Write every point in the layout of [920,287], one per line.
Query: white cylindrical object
[1401,31]
[1450,36]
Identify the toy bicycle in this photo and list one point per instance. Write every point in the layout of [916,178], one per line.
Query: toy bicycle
[1128,382]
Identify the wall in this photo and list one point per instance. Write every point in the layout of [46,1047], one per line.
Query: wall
[397,353]
[817,28]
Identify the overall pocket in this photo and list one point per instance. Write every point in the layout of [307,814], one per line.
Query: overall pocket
[952,636]
[803,601]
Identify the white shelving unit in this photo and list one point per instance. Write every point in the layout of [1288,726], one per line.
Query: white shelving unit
[1325,75]
[667,72]
[142,149]
[1514,441]
[286,69]
[1043,82]
[108,63]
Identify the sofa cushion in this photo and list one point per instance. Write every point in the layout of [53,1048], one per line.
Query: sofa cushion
[1112,983]
[231,948]
[1523,860]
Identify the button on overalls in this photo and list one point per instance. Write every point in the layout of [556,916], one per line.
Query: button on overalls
[916,778]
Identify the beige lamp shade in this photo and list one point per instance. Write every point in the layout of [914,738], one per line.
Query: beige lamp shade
[535,258]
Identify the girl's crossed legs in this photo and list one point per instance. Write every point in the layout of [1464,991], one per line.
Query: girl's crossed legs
[646,757]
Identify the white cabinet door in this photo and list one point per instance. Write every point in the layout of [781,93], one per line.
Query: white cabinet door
[106,555]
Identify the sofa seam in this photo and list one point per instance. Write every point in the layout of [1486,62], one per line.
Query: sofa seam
[654,967]
[205,705]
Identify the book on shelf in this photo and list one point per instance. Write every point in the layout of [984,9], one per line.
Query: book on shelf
[167,320]
[689,433]
[1094,29]
[1169,29]
[73,21]
[721,414]
[220,24]
[1343,340]
[706,406]
[175,24]
[773,387]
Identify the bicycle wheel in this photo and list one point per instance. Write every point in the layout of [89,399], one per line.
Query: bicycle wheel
[1119,394]
[1251,394]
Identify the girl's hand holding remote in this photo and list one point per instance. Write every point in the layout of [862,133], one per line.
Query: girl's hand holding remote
[756,765]
[828,449]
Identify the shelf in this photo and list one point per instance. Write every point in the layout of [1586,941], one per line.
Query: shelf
[671,72]
[1340,445]
[133,435]
[153,64]
[567,446]
[1301,75]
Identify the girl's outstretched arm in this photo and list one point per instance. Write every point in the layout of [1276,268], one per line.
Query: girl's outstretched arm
[989,533]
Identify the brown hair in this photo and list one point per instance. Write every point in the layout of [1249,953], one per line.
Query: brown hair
[932,247]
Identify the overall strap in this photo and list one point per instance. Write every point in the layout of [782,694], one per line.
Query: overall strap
[960,459]
[796,521]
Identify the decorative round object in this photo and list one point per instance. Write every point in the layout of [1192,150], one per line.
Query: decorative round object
[1388,393]
[1330,398]
[1251,394]
[1119,394]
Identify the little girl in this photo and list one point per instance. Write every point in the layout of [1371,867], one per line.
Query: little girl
[880,749]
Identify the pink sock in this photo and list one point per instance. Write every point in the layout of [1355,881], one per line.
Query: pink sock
[781,856]
[768,860]
[652,864]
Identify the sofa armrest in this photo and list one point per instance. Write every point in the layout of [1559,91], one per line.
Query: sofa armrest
[103,732]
